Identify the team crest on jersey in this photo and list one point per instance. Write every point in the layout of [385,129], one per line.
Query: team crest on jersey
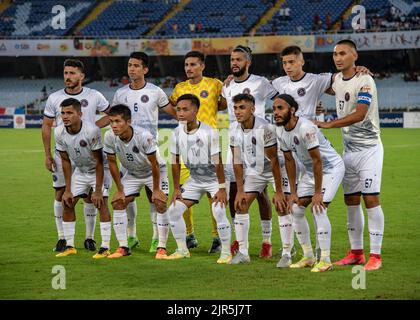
[254,141]
[199,142]
[135,149]
[84,103]
[54,178]
[204,94]
[296,140]
[144,98]
[347,96]
[301,92]
[247,91]
[182,190]
[83,143]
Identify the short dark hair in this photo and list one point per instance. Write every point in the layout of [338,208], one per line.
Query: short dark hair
[71,102]
[195,54]
[289,99]
[291,50]
[120,110]
[143,57]
[193,98]
[244,49]
[245,97]
[74,63]
[348,42]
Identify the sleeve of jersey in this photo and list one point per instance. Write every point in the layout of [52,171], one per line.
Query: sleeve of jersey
[49,109]
[365,93]
[174,147]
[162,99]
[310,137]
[219,86]
[174,95]
[324,81]
[268,89]
[109,146]
[96,139]
[59,145]
[214,142]
[270,137]
[102,103]
[115,100]
[149,144]
[233,141]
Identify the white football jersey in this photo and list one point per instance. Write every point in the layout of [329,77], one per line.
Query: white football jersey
[349,93]
[306,136]
[259,87]
[252,144]
[79,146]
[132,154]
[144,104]
[196,150]
[305,91]
[91,101]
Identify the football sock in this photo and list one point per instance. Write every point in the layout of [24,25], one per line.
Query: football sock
[177,223]
[376,229]
[266,228]
[105,234]
[324,234]
[163,226]
[355,226]
[286,233]
[241,230]
[89,212]
[223,226]
[131,219]
[301,227]
[69,228]
[120,227]
[58,216]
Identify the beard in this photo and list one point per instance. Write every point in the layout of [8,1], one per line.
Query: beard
[71,84]
[240,72]
[284,120]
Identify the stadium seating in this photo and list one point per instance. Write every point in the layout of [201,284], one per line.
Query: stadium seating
[34,18]
[393,93]
[16,93]
[301,13]
[127,18]
[218,18]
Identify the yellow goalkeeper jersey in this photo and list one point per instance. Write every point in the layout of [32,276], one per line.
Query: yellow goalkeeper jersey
[208,90]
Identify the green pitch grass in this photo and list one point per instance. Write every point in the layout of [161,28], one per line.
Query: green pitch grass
[28,234]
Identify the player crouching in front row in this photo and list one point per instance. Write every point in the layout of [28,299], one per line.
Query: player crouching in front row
[81,144]
[324,171]
[255,163]
[198,145]
[136,149]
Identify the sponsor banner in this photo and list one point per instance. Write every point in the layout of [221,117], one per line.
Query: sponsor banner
[396,40]
[269,44]
[6,121]
[19,121]
[391,120]
[153,47]
[166,121]
[411,119]
[33,121]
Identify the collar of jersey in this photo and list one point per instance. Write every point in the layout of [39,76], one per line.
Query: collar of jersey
[293,127]
[253,125]
[73,134]
[145,83]
[348,79]
[199,125]
[298,79]
[242,80]
[73,94]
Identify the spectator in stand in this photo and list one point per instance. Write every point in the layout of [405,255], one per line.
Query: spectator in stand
[174,28]
[191,27]
[328,22]
[199,27]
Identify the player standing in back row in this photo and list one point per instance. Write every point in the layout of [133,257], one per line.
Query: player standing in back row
[145,101]
[261,90]
[358,116]
[91,101]
[208,91]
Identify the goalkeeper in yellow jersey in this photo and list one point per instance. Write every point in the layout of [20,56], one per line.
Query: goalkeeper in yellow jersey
[209,91]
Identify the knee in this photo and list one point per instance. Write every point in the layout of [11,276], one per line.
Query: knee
[353,200]
[298,211]
[371,201]
[219,213]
